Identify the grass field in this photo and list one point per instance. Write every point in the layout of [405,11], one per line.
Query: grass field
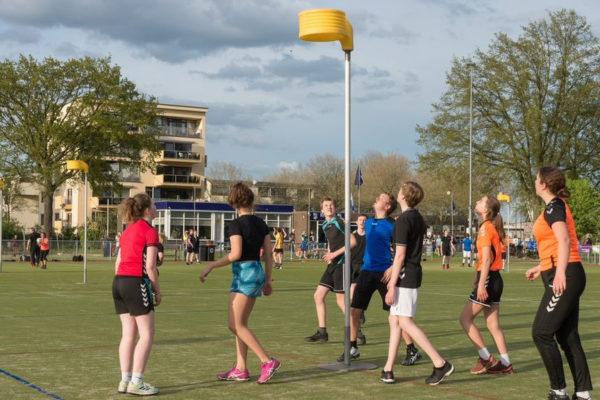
[61,336]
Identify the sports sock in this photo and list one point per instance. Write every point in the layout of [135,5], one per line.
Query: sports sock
[125,376]
[322,330]
[484,353]
[353,343]
[562,392]
[505,360]
[584,395]
[137,378]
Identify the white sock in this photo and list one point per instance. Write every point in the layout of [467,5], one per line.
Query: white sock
[505,360]
[562,392]
[584,395]
[484,353]
[125,376]
[137,377]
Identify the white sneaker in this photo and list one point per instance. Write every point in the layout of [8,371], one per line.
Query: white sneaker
[141,389]
[123,387]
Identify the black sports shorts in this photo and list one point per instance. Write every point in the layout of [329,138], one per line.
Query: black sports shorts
[132,295]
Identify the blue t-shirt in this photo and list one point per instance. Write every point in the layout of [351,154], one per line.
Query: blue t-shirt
[467,244]
[378,253]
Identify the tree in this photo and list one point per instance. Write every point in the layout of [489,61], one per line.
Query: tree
[585,206]
[326,174]
[535,103]
[222,170]
[53,111]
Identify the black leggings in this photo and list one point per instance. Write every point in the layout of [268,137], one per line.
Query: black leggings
[559,316]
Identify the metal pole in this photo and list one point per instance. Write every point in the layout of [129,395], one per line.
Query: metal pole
[85,208]
[308,215]
[470,65]
[452,215]
[508,242]
[107,214]
[347,215]
[1,218]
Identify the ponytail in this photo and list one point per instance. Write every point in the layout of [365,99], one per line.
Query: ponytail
[499,224]
[132,209]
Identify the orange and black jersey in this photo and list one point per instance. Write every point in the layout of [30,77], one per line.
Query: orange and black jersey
[556,211]
[488,237]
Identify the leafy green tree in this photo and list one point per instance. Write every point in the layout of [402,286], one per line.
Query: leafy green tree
[535,103]
[585,206]
[53,111]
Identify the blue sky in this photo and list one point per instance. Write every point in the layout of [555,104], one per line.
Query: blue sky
[274,100]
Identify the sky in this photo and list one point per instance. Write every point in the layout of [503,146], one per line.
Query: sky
[273,100]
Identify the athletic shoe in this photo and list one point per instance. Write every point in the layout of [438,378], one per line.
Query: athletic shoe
[482,365]
[554,396]
[354,354]
[122,387]
[141,389]
[268,370]
[234,374]
[361,338]
[500,368]
[387,376]
[412,356]
[318,337]
[575,397]
[439,374]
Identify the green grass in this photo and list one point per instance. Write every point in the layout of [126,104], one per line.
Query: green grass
[62,336]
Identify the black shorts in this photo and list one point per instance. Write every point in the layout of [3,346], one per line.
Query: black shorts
[494,286]
[504,255]
[132,295]
[447,252]
[44,255]
[355,272]
[367,283]
[279,251]
[333,278]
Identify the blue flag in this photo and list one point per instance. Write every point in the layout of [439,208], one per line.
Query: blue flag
[358,180]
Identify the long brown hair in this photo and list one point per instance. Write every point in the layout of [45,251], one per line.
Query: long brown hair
[493,215]
[133,208]
[555,181]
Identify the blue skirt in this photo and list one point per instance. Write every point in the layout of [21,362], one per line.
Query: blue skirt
[248,278]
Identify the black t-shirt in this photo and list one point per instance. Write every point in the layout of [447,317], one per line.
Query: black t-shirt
[446,240]
[409,230]
[253,230]
[334,232]
[556,211]
[33,240]
[358,252]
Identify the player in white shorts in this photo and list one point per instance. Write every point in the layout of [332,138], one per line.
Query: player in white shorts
[404,284]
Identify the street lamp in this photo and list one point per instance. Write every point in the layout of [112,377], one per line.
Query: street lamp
[79,165]
[326,25]
[449,193]
[470,65]
[504,197]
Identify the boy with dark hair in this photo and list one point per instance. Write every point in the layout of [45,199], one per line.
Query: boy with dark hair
[332,279]
[404,284]
[378,258]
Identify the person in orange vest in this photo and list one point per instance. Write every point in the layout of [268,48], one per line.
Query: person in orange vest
[562,273]
[44,249]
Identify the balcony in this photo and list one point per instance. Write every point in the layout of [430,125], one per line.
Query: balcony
[180,157]
[179,131]
[178,180]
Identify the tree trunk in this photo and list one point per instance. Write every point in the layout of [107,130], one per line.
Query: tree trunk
[48,214]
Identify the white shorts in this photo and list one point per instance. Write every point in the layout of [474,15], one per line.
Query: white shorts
[466,254]
[405,303]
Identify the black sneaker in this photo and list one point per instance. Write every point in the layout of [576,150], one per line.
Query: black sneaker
[555,396]
[354,354]
[318,337]
[361,338]
[387,377]
[439,374]
[412,356]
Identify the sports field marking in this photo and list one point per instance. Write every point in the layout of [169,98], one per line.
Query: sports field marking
[31,385]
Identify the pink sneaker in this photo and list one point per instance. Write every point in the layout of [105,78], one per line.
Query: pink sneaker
[268,370]
[234,374]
